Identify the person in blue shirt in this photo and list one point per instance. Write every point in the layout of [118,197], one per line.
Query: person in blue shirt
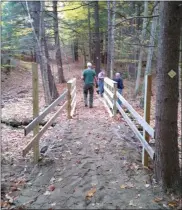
[120,85]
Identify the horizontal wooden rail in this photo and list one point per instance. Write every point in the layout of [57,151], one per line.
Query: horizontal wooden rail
[38,119]
[140,120]
[42,131]
[71,97]
[73,107]
[108,100]
[109,92]
[145,144]
[110,82]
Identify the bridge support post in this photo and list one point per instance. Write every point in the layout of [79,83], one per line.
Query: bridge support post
[115,100]
[147,105]
[35,83]
[69,100]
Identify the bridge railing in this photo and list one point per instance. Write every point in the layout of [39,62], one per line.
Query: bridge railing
[70,103]
[111,96]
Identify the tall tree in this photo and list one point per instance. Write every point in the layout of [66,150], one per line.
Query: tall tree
[167,157]
[97,37]
[137,85]
[148,69]
[61,78]
[108,37]
[89,33]
[112,37]
[50,90]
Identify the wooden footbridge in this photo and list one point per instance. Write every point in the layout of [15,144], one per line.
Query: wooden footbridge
[111,96]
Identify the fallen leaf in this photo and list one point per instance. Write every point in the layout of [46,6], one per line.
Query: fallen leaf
[147,185]
[10,199]
[158,199]
[127,186]
[5,204]
[52,180]
[91,193]
[51,188]
[131,203]
[172,204]
[47,193]
[60,179]
[123,186]
[137,196]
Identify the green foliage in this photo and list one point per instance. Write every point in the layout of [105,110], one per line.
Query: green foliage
[15,30]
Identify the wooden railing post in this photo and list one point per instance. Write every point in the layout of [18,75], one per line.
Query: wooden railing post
[115,100]
[69,100]
[147,105]
[35,94]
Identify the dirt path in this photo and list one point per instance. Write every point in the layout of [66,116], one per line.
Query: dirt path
[92,162]
[90,152]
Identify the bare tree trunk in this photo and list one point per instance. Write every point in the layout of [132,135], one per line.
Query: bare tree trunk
[76,49]
[166,152]
[89,29]
[112,38]
[148,69]
[108,37]
[97,35]
[61,78]
[137,85]
[50,91]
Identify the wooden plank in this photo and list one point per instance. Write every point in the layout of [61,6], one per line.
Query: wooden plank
[114,100]
[38,119]
[72,82]
[110,82]
[42,131]
[108,91]
[35,94]
[108,100]
[69,100]
[73,109]
[73,91]
[147,104]
[144,143]
[140,119]
[73,100]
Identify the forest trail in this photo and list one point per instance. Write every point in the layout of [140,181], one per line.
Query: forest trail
[92,162]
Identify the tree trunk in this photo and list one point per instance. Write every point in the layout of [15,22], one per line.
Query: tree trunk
[76,49]
[61,78]
[137,85]
[112,38]
[97,35]
[108,37]
[89,29]
[166,156]
[148,69]
[50,91]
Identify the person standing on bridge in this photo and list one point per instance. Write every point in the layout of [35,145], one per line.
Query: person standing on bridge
[120,85]
[89,77]
[101,76]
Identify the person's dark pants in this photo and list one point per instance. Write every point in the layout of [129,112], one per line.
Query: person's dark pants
[88,88]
